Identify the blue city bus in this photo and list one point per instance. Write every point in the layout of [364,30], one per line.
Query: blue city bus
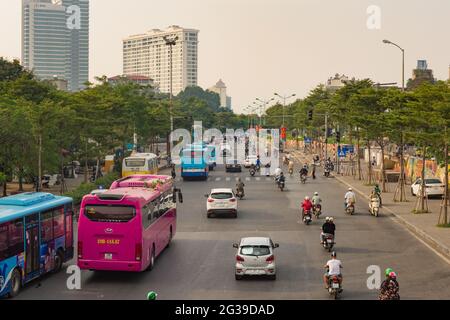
[194,162]
[36,237]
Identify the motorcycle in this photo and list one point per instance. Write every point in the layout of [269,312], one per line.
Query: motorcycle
[328,241]
[307,218]
[350,209]
[252,171]
[240,194]
[317,209]
[374,207]
[281,185]
[291,171]
[334,287]
[303,178]
[326,173]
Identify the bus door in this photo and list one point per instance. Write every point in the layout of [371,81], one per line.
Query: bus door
[32,257]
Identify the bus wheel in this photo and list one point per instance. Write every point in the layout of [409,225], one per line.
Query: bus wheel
[58,261]
[15,283]
[152,260]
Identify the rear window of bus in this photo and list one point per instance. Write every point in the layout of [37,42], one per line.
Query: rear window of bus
[102,213]
[135,162]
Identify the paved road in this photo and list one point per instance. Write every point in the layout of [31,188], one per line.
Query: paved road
[199,264]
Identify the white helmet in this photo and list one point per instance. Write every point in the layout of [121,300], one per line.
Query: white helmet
[306,198]
[316,193]
[350,189]
[327,219]
[330,219]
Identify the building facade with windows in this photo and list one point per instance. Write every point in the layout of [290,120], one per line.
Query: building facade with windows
[148,55]
[50,46]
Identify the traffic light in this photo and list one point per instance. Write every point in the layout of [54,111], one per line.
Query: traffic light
[338,136]
[310,114]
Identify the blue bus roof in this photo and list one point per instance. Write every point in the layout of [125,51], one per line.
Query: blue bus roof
[23,204]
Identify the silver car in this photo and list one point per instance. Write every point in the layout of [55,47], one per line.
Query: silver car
[255,256]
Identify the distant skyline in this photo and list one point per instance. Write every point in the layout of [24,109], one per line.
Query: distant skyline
[259,47]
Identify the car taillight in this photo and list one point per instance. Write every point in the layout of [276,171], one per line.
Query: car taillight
[271,258]
[210,200]
[138,251]
[239,258]
[232,200]
[80,249]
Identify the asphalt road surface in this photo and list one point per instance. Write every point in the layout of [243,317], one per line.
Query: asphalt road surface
[200,261]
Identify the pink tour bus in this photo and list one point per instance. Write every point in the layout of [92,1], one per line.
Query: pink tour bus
[126,227]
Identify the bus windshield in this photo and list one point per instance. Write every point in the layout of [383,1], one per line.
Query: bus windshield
[108,213]
[135,162]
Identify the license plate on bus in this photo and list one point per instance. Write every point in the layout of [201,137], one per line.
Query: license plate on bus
[108,256]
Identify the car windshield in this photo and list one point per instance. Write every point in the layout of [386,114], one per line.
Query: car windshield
[105,213]
[255,250]
[433,181]
[221,195]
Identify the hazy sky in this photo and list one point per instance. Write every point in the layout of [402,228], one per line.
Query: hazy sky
[259,47]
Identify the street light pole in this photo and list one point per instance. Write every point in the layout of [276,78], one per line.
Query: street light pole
[263,103]
[401,186]
[170,43]
[285,97]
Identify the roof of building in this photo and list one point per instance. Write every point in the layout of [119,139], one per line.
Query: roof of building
[131,77]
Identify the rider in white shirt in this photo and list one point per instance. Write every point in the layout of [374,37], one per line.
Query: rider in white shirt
[350,197]
[334,267]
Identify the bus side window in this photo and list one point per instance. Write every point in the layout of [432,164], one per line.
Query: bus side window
[4,240]
[146,215]
[16,240]
[156,206]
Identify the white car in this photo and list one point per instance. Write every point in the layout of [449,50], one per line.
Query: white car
[249,161]
[221,201]
[433,187]
[255,256]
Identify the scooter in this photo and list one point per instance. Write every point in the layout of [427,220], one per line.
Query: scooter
[291,172]
[307,218]
[350,209]
[374,207]
[334,287]
[317,209]
[240,194]
[280,185]
[328,241]
[252,171]
[303,178]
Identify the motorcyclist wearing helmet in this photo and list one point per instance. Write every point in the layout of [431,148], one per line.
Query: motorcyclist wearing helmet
[350,198]
[389,289]
[240,186]
[333,267]
[316,200]
[281,177]
[327,228]
[304,171]
[306,206]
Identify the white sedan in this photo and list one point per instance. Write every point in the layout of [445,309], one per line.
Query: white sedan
[221,201]
[255,256]
[433,187]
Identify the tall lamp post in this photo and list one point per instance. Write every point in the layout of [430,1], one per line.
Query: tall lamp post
[170,42]
[401,186]
[263,105]
[284,97]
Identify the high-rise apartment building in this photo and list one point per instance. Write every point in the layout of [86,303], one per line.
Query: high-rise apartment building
[55,40]
[148,55]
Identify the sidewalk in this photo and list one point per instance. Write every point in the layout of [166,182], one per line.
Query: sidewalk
[422,225]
